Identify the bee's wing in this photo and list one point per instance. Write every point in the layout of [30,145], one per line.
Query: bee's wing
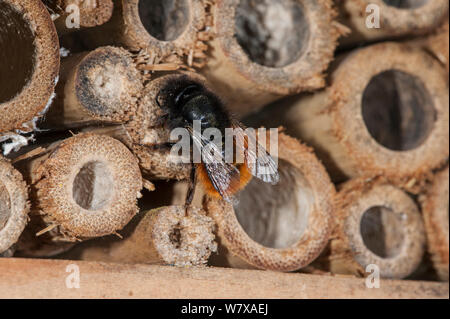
[225,177]
[259,161]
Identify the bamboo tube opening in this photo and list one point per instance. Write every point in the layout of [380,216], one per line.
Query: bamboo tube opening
[18,52]
[378,224]
[276,216]
[29,62]
[406,4]
[263,50]
[272,33]
[91,186]
[5,206]
[164,20]
[88,186]
[381,231]
[407,115]
[281,227]
[165,235]
[14,206]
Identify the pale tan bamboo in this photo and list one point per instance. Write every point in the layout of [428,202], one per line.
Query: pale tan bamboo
[73,15]
[164,235]
[29,63]
[396,18]
[264,50]
[377,224]
[83,187]
[102,86]
[435,212]
[159,28]
[386,112]
[281,227]
[14,206]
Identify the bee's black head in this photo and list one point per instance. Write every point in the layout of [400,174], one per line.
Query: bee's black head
[186,100]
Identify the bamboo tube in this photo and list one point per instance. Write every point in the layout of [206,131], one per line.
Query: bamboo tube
[83,187]
[396,18]
[72,15]
[29,63]
[377,224]
[282,227]
[437,44]
[162,236]
[435,212]
[384,113]
[160,28]
[256,60]
[14,206]
[99,86]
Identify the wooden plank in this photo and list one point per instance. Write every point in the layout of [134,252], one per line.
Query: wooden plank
[38,278]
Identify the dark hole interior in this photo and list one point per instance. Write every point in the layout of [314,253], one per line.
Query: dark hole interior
[398,110]
[165,20]
[93,186]
[406,4]
[5,206]
[175,236]
[276,216]
[273,33]
[17,52]
[381,231]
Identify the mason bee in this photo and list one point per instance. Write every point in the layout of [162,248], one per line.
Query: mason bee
[184,101]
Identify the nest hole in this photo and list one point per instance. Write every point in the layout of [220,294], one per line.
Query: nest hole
[382,231]
[273,33]
[165,20]
[276,216]
[93,186]
[175,236]
[17,52]
[406,4]
[398,110]
[5,206]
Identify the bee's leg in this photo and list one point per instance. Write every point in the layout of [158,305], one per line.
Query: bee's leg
[191,188]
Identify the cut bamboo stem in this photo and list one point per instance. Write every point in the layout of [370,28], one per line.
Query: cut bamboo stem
[396,18]
[437,44]
[282,227]
[29,63]
[435,212]
[14,207]
[102,86]
[83,187]
[378,224]
[160,28]
[162,236]
[256,60]
[73,15]
[384,113]
[146,131]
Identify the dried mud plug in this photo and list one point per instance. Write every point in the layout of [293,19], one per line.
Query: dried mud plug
[101,86]
[29,63]
[14,207]
[281,227]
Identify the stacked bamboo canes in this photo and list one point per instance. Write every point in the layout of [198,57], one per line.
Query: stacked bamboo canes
[378,123]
